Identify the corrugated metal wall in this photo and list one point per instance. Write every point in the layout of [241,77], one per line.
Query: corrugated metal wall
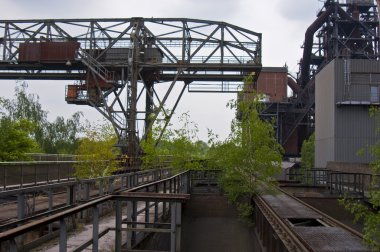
[343,126]
[354,128]
[324,116]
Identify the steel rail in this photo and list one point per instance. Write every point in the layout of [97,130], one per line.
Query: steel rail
[326,218]
[289,238]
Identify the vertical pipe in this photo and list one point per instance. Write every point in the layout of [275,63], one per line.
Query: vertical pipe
[62,235]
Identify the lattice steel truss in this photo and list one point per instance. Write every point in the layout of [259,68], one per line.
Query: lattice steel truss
[343,29]
[119,59]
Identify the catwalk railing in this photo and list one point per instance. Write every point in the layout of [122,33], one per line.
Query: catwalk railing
[161,198]
[337,182]
[61,195]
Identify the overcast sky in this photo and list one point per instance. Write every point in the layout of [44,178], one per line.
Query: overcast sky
[282,23]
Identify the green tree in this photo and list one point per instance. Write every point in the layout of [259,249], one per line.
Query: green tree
[96,153]
[370,214]
[26,106]
[178,146]
[308,153]
[15,140]
[59,136]
[250,155]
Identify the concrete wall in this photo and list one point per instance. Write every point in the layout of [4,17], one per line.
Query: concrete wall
[325,116]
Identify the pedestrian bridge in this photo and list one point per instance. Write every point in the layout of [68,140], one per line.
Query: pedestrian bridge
[185,212]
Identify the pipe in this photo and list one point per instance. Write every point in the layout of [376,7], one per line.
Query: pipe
[293,85]
[309,38]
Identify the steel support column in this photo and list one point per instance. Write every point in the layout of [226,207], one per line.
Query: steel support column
[95,229]
[62,235]
[118,222]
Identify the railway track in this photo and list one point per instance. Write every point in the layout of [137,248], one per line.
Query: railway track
[285,223]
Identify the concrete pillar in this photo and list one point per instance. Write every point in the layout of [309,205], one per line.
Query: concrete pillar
[50,205]
[62,235]
[129,225]
[70,195]
[95,229]
[20,206]
[118,221]
[175,237]
[12,245]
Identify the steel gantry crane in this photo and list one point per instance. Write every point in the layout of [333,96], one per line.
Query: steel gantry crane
[114,61]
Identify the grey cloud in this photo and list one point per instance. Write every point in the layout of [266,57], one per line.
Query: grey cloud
[297,10]
[206,9]
[45,8]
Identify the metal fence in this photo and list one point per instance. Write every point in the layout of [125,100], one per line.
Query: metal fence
[68,193]
[359,184]
[157,199]
[22,174]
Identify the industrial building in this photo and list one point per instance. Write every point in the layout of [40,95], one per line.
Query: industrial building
[337,83]
[345,90]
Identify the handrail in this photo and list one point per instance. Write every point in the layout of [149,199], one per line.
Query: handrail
[129,193]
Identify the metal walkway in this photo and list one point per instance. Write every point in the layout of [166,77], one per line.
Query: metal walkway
[208,223]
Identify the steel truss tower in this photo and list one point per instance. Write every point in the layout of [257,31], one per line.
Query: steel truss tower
[114,61]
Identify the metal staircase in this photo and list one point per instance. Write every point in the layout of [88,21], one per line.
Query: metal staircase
[97,68]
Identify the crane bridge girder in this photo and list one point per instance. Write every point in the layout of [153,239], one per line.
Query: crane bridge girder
[114,61]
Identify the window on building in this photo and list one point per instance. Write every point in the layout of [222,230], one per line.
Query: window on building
[374,94]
